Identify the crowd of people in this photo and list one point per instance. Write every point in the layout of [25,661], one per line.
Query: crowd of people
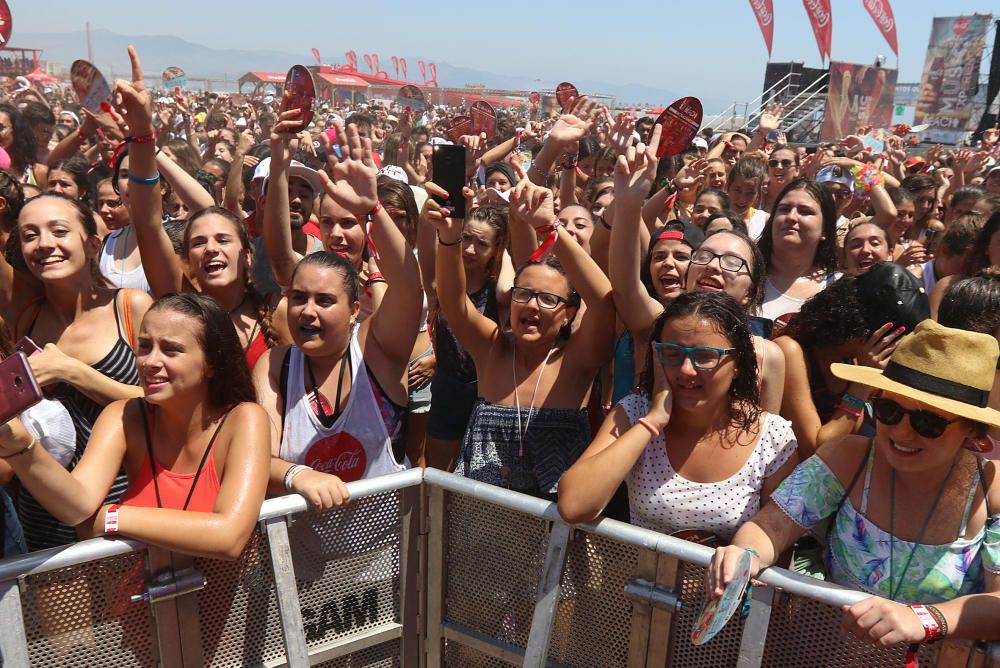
[781,349]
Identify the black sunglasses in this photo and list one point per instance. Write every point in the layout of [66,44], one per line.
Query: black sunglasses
[926,423]
[774,162]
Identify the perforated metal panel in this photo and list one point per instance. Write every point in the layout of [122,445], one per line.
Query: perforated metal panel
[460,656]
[493,562]
[720,652]
[385,655]
[238,610]
[81,616]
[347,567]
[592,627]
[803,632]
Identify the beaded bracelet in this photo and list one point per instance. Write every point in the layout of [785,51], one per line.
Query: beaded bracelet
[866,177]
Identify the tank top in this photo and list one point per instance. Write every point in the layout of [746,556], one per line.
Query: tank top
[452,358]
[196,491]
[41,530]
[256,348]
[778,306]
[111,268]
[357,445]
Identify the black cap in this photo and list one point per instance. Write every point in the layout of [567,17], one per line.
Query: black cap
[890,293]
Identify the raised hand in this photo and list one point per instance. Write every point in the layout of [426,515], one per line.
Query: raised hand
[353,185]
[880,346]
[574,125]
[284,136]
[635,171]
[449,230]
[532,204]
[621,136]
[133,100]
[770,120]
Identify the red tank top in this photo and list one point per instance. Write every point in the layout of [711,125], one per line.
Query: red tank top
[179,491]
[257,347]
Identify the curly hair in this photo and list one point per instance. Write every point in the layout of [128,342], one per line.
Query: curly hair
[731,321]
[257,299]
[22,150]
[831,317]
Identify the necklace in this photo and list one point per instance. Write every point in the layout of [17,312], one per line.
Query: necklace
[893,590]
[517,398]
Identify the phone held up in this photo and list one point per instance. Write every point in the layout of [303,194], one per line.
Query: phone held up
[19,390]
[448,171]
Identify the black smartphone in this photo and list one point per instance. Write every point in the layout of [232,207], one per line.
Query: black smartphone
[18,388]
[448,171]
[810,150]
[929,238]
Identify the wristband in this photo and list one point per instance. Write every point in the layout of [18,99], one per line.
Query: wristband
[111,519]
[932,630]
[939,616]
[546,246]
[291,473]
[853,400]
[374,212]
[653,429]
[850,411]
[147,182]
[753,552]
[453,243]
[23,451]
[375,277]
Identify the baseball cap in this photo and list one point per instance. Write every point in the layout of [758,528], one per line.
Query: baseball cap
[700,143]
[268,99]
[916,161]
[295,169]
[394,172]
[836,174]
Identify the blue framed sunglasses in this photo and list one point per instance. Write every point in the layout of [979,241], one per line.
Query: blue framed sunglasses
[704,358]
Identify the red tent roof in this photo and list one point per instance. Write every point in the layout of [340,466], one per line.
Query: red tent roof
[269,77]
[40,76]
[370,78]
[341,79]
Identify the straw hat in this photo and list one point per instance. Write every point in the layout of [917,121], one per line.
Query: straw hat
[942,367]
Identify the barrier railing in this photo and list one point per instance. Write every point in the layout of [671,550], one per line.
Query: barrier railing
[421,568]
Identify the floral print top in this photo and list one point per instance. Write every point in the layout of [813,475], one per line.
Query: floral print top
[858,554]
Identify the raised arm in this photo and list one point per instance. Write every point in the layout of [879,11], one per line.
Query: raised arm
[570,128]
[634,174]
[160,263]
[231,199]
[276,223]
[187,188]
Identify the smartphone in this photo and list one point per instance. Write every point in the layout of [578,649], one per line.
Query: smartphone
[19,390]
[929,238]
[810,150]
[448,171]
[27,346]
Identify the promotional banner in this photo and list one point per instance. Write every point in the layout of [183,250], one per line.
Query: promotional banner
[859,95]
[764,11]
[951,77]
[881,12]
[821,19]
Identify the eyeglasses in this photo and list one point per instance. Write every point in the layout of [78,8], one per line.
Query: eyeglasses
[840,193]
[546,300]
[926,423]
[730,263]
[704,358]
[773,162]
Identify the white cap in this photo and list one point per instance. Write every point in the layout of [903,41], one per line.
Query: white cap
[295,168]
[394,172]
[268,99]
[700,143]
[241,122]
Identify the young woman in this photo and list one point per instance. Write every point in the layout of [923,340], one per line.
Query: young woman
[337,397]
[69,177]
[725,220]
[984,253]
[865,244]
[799,244]
[782,169]
[484,237]
[194,446]
[708,203]
[693,445]
[744,185]
[85,331]
[17,139]
[529,424]
[916,515]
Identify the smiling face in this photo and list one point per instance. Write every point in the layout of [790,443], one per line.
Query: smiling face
[54,241]
[320,311]
[713,278]
[797,223]
[781,168]
[907,451]
[110,208]
[216,256]
[579,224]
[532,323]
[668,264]
[864,246]
[696,389]
[341,232]
[706,205]
[170,357]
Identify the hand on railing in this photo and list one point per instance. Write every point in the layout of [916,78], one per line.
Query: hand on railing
[880,621]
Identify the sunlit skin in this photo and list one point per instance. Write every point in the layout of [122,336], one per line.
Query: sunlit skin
[169,357]
[797,222]
[695,389]
[712,277]
[320,312]
[705,206]
[668,264]
[216,258]
[715,175]
[532,323]
[864,246]
[62,182]
[905,216]
[579,224]
[54,243]
[743,194]
[478,243]
[781,175]
[340,231]
[110,208]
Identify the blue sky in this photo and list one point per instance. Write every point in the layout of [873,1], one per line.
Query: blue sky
[671,44]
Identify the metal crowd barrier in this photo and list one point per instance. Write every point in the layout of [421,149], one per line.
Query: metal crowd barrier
[422,568]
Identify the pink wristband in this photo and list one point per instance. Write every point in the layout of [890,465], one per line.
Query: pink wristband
[650,426]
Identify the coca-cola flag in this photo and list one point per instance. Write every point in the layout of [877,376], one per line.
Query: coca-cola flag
[764,10]
[821,19]
[881,12]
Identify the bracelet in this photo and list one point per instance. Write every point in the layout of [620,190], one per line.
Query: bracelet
[291,473]
[375,277]
[850,411]
[111,519]
[866,177]
[546,246]
[939,616]
[28,448]
[853,400]
[147,182]
[144,139]
[453,243]
[653,429]
[932,630]
[546,177]
[374,212]
[753,552]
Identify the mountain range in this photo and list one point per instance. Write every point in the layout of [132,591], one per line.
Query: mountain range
[225,66]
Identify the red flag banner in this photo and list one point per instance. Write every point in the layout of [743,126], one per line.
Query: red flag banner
[764,10]
[881,12]
[821,19]
[6,24]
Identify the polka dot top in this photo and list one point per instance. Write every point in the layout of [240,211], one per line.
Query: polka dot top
[661,500]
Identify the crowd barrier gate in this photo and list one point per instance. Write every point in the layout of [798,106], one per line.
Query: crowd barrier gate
[422,568]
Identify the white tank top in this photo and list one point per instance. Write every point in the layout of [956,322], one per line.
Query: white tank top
[111,268]
[356,446]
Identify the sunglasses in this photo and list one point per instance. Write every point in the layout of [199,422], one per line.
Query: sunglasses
[926,423]
[784,163]
[704,358]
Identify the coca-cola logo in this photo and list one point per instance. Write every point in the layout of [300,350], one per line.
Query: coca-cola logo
[882,17]
[341,455]
[763,15]
[960,26]
[818,12]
